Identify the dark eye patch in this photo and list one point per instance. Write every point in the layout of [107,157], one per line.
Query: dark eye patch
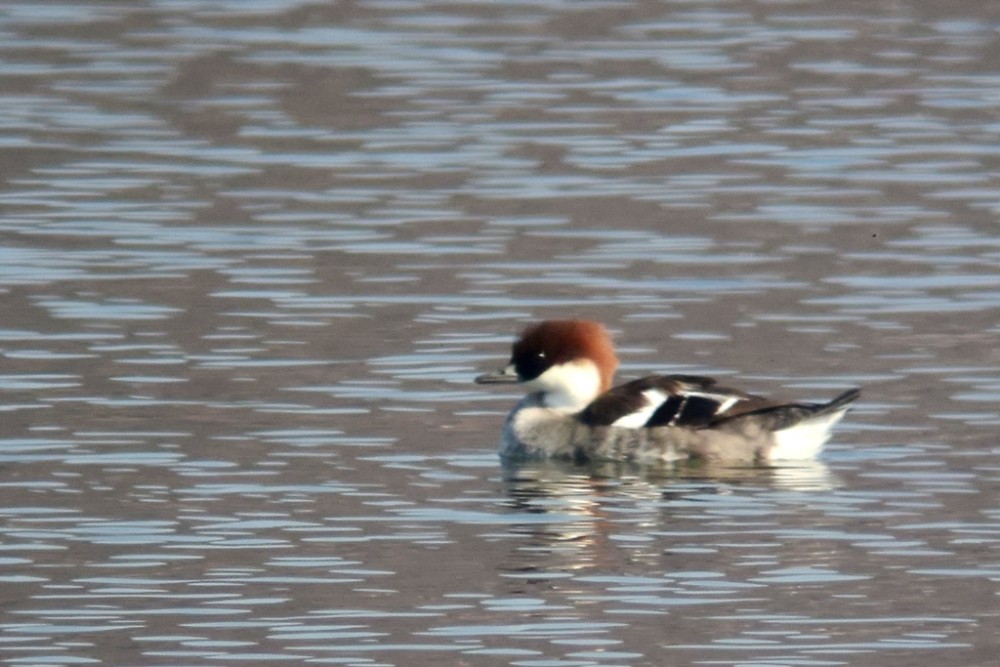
[530,366]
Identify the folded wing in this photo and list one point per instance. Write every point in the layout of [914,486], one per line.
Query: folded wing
[668,400]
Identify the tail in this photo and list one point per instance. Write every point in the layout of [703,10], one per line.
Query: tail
[802,430]
[841,402]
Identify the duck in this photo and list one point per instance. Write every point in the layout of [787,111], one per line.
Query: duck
[572,412]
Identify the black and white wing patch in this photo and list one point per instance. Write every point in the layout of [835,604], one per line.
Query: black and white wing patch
[666,400]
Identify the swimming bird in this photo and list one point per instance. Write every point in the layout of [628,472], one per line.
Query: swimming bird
[572,412]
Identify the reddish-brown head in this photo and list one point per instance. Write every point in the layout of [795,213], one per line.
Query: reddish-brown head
[542,346]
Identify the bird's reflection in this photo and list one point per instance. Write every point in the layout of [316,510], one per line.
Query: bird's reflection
[529,482]
[580,517]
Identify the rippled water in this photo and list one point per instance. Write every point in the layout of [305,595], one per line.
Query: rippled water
[253,254]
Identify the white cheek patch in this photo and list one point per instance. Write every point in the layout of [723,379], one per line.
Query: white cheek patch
[570,386]
[654,399]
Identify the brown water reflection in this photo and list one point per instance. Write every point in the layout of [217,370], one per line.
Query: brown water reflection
[254,253]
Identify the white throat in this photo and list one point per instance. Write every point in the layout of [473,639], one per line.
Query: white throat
[570,386]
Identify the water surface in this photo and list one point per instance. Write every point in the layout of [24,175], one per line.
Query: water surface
[253,255]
